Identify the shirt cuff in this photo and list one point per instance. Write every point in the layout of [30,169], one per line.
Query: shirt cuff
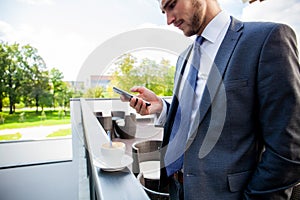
[160,118]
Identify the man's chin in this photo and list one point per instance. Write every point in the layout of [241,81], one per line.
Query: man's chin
[188,33]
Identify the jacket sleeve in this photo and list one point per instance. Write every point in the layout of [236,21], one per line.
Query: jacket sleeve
[278,89]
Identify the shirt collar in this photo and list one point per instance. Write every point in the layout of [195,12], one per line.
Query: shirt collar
[215,26]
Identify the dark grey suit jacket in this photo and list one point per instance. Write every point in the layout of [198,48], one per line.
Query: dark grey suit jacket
[251,149]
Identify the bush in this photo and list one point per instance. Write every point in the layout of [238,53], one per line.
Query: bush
[43,115]
[3,116]
[22,117]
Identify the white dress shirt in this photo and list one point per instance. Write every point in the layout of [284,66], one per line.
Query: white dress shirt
[213,34]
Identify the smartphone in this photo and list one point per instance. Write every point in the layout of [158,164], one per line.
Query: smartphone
[126,94]
[122,92]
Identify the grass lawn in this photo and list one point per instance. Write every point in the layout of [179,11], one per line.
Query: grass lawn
[23,119]
[7,137]
[60,133]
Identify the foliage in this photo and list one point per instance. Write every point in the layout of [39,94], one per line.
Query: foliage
[95,92]
[60,91]
[35,82]
[157,77]
[22,117]
[123,76]
[2,118]
[43,115]
[64,95]
[12,73]
[24,75]
[25,79]
[61,114]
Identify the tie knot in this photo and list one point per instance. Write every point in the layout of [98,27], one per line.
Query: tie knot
[199,40]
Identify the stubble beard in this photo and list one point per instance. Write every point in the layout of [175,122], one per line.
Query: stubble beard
[195,20]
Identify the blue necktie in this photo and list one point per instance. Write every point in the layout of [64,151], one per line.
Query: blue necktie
[181,126]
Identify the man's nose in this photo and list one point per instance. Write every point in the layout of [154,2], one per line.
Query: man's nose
[170,18]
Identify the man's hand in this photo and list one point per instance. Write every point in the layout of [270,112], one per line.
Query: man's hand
[138,102]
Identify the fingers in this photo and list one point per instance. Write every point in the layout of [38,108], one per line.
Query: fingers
[139,105]
[136,101]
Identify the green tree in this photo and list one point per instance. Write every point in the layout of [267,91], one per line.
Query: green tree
[95,92]
[40,91]
[13,73]
[25,79]
[3,67]
[123,76]
[77,93]
[64,94]
[24,75]
[157,77]
[167,72]
[35,82]
[57,84]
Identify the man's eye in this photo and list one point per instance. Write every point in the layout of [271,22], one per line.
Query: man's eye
[169,6]
[172,5]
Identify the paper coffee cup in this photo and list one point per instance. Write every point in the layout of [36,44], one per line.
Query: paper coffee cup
[112,155]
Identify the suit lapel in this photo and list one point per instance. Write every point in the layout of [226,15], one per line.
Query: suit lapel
[213,87]
[218,69]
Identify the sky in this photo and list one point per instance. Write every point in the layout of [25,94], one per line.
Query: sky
[66,32]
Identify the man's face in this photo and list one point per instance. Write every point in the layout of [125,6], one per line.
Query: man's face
[187,15]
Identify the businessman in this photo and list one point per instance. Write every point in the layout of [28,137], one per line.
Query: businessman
[241,139]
